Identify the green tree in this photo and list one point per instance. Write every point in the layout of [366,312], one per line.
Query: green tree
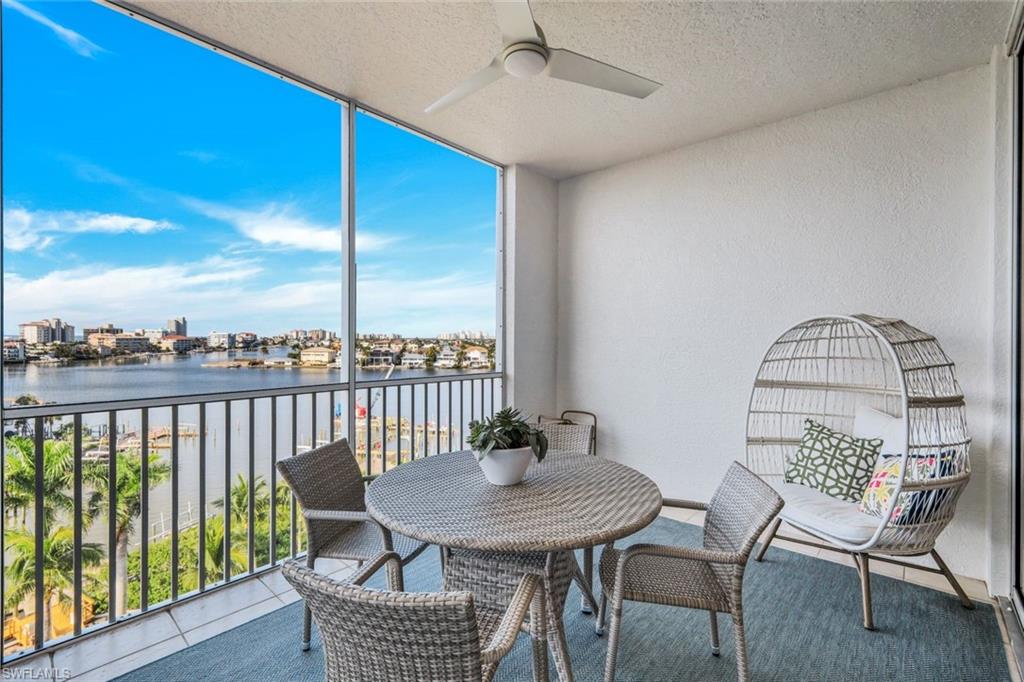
[58,569]
[431,356]
[214,558]
[128,504]
[20,477]
[240,500]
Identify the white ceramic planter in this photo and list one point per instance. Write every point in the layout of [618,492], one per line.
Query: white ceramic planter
[506,467]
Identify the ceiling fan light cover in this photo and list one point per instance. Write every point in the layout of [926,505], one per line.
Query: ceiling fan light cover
[525,63]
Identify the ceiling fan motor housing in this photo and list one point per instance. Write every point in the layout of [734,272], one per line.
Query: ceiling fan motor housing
[524,60]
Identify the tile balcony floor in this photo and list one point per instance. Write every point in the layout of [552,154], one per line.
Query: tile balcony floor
[135,644]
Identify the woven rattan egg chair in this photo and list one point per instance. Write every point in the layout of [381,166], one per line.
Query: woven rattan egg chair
[843,372]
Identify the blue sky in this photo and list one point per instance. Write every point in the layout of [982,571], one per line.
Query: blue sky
[147,178]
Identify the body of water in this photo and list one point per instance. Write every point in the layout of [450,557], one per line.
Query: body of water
[425,415]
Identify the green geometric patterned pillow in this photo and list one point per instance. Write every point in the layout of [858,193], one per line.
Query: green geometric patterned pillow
[833,462]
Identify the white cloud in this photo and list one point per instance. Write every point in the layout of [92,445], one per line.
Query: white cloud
[129,295]
[280,226]
[25,229]
[226,293]
[76,41]
[425,306]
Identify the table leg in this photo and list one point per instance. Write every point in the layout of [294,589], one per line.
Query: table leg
[493,577]
[559,569]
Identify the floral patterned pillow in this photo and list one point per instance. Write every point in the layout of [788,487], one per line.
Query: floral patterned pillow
[910,506]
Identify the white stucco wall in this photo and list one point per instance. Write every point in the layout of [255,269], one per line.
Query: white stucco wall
[675,273]
[531,253]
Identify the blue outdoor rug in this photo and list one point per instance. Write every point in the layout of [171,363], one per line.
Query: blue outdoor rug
[803,619]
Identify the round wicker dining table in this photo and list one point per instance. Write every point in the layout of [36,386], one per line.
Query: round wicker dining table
[566,502]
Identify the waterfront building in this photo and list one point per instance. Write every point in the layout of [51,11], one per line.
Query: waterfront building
[35,332]
[298,335]
[447,358]
[107,328]
[380,357]
[47,331]
[121,342]
[414,360]
[246,339]
[220,340]
[317,356]
[14,351]
[177,326]
[476,357]
[176,343]
[153,335]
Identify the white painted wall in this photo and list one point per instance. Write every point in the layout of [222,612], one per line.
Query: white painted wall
[675,273]
[531,254]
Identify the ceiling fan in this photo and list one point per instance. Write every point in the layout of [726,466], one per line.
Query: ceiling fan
[527,54]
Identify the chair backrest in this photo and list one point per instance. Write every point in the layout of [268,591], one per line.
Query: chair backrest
[327,477]
[374,635]
[739,511]
[569,437]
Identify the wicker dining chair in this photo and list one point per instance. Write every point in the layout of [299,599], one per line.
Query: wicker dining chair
[376,636]
[708,578]
[569,436]
[328,485]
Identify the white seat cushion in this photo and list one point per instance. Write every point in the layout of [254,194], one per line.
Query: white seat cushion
[814,510]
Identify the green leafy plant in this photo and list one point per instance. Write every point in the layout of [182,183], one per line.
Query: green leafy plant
[506,430]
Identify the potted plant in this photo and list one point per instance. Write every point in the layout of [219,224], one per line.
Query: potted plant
[505,444]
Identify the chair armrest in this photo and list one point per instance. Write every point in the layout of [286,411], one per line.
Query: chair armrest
[692,553]
[369,568]
[349,517]
[335,515]
[683,504]
[505,637]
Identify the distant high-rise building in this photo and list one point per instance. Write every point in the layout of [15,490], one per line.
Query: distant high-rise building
[220,340]
[154,335]
[177,327]
[47,331]
[107,328]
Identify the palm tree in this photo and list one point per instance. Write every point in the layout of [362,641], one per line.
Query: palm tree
[128,504]
[240,500]
[58,569]
[215,551]
[20,477]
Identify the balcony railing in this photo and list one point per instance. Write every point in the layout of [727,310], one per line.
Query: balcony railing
[117,509]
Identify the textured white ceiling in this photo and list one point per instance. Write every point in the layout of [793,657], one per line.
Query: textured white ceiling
[725,66]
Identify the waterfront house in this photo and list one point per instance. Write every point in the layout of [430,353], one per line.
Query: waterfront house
[380,358]
[447,358]
[810,212]
[414,360]
[14,350]
[317,356]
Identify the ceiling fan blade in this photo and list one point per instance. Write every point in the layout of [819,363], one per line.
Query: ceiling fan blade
[567,65]
[478,80]
[516,22]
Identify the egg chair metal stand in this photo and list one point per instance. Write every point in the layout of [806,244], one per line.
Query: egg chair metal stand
[827,369]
